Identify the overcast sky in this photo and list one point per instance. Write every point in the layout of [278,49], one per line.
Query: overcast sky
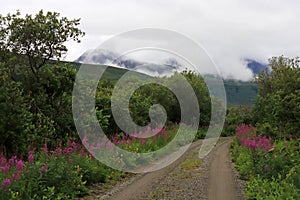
[229,30]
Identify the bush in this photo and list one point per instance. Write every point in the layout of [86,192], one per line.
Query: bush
[63,173]
[271,167]
[261,189]
[236,116]
[15,115]
[277,108]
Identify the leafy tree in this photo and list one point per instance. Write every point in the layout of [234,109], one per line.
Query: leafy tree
[39,38]
[204,100]
[40,88]
[277,108]
[150,94]
[236,116]
[283,75]
[15,116]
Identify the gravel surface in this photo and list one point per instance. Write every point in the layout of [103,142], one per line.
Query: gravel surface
[214,177]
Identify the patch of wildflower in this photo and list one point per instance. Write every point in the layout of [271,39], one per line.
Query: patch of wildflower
[248,138]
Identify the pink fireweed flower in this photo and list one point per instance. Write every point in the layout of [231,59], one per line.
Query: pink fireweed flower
[244,130]
[143,140]
[68,150]
[133,137]
[45,148]
[267,147]
[6,182]
[83,153]
[5,168]
[11,161]
[286,144]
[20,165]
[264,143]
[115,141]
[74,146]
[43,168]
[251,143]
[85,141]
[58,151]
[123,137]
[258,142]
[31,156]
[3,160]
[15,177]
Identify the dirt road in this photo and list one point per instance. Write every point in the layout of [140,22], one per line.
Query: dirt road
[222,182]
[188,177]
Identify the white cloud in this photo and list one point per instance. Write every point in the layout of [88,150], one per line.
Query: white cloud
[229,30]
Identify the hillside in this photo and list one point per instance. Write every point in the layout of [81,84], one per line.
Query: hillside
[237,92]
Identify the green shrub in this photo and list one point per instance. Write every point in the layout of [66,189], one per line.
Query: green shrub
[261,189]
[244,162]
[277,108]
[236,116]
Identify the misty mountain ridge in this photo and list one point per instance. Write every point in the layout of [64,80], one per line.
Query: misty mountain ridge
[255,66]
[165,67]
[237,92]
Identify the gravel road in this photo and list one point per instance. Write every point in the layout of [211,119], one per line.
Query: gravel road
[212,178]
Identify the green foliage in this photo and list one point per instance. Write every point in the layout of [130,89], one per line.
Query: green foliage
[240,93]
[40,112]
[271,174]
[277,108]
[15,115]
[54,100]
[40,38]
[236,116]
[148,95]
[201,133]
[62,173]
[260,189]
[151,94]
[204,100]
[92,171]
[63,179]
[41,92]
[244,162]
[284,75]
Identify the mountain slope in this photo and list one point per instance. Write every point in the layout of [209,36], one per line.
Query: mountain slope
[237,92]
[106,57]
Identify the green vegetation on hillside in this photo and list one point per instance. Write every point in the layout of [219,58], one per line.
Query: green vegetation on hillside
[240,93]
